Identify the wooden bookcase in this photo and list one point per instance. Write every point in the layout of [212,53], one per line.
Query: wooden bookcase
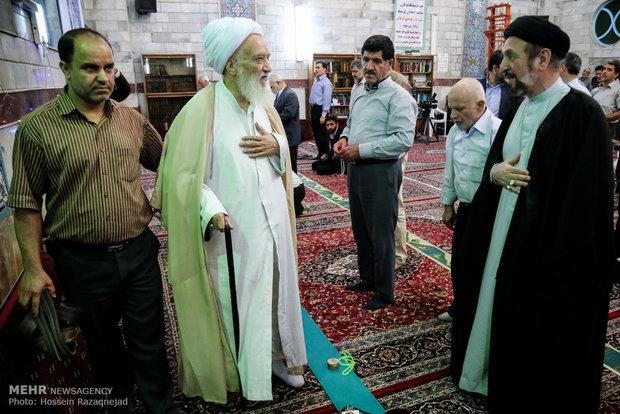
[169,82]
[339,73]
[419,70]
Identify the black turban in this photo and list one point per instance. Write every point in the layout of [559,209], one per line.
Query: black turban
[540,31]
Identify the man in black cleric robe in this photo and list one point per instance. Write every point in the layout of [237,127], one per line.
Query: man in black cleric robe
[554,278]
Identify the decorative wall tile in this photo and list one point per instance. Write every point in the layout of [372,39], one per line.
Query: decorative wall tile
[238,8]
[475,42]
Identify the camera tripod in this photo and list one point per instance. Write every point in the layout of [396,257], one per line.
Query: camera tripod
[424,127]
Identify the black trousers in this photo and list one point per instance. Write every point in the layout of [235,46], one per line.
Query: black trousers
[318,130]
[462,217]
[326,167]
[613,128]
[373,200]
[299,193]
[466,293]
[109,287]
[293,151]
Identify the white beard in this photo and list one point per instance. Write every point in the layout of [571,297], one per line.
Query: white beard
[253,90]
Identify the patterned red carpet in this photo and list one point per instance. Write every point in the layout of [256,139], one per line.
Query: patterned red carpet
[402,351]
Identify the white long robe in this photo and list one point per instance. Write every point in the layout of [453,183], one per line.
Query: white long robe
[519,139]
[250,191]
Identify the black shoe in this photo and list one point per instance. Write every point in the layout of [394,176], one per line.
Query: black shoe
[359,286]
[377,302]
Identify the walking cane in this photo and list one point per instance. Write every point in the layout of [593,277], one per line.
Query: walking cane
[233,299]
[233,285]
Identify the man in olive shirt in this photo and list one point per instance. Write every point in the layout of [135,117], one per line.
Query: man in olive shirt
[82,151]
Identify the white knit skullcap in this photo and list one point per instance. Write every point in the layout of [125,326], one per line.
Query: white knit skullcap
[222,37]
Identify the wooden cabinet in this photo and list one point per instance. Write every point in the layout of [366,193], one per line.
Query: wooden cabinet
[169,82]
[419,70]
[339,73]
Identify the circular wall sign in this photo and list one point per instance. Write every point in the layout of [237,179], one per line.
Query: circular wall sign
[606,24]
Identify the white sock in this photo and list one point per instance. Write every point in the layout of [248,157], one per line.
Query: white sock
[280,371]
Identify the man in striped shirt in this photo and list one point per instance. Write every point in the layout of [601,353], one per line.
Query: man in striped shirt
[83,151]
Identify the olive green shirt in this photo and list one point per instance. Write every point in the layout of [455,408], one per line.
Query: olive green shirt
[89,172]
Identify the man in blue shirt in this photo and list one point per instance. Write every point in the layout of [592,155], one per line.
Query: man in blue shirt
[498,96]
[320,102]
[467,148]
[380,129]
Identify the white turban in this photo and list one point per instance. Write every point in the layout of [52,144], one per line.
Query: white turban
[221,37]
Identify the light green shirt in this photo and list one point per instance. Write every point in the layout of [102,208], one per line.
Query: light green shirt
[382,121]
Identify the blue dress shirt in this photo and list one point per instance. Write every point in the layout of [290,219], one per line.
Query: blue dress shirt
[493,96]
[321,94]
[466,154]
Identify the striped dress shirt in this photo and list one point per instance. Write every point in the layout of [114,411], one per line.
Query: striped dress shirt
[89,172]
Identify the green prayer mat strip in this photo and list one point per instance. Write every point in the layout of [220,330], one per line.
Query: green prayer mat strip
[343,390]
[612,359]
[415,242]
[429,250]
[324,192]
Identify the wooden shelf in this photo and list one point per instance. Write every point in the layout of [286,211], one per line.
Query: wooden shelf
[339,69]
[419,70]
[169,82]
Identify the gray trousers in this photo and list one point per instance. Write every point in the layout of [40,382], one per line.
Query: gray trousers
[373,200]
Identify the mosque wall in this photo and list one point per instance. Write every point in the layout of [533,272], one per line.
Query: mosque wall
[30,76]
[335,26]
[576,17]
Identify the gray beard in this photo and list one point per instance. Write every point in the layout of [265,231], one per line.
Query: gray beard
[520,86]
[251,89]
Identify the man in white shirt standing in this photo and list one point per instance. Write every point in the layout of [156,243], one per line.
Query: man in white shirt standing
[569,72]
[467,147]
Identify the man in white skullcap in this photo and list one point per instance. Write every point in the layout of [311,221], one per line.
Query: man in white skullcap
[226,160]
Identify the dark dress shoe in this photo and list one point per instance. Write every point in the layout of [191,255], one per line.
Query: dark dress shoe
[377,302]
[359,286]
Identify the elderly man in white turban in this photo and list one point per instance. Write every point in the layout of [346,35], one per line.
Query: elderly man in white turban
[225,160]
